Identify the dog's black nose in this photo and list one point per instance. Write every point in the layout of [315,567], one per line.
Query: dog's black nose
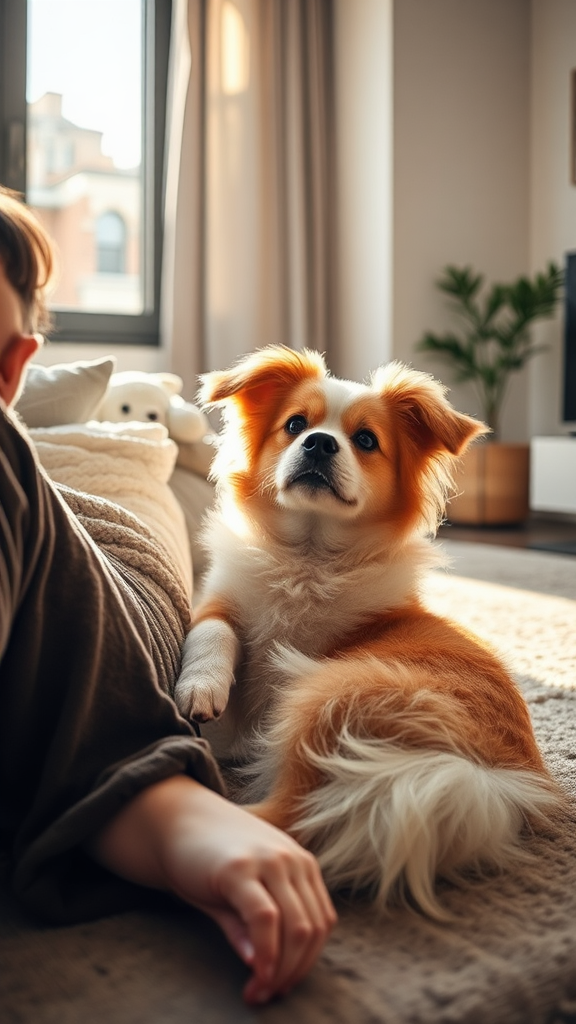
[320,445]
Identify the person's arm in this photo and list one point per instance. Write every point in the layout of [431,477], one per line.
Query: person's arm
[258,884]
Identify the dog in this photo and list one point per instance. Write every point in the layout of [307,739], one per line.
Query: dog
[389,741]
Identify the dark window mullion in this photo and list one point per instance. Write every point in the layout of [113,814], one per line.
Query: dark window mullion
[13,17]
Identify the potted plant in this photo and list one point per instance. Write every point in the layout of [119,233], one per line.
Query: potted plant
[493,343]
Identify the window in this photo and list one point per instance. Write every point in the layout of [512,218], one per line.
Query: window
[82,106]
[111,244]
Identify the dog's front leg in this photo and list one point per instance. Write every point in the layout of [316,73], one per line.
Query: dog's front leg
[209,657]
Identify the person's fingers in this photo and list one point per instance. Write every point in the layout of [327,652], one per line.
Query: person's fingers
[307,917]
[322,918]
[294,937]
[258,939]
[285,916]
[276,920]
[315,888]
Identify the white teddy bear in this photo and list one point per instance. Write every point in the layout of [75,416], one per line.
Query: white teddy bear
[152,398]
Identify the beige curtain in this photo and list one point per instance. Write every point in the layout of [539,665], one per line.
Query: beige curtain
[250,237]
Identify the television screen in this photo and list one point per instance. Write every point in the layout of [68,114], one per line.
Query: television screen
[569,411]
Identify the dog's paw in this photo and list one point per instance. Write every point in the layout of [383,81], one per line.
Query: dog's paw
[209,656]
[201,699]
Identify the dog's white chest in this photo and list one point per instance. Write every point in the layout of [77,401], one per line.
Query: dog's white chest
[296,605]
[290,599]
[302,610]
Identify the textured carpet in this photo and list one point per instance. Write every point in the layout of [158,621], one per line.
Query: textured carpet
[509,957]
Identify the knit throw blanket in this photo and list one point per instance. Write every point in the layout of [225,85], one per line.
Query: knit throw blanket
[127,465]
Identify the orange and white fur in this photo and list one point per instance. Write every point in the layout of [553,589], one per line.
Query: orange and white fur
[389,741]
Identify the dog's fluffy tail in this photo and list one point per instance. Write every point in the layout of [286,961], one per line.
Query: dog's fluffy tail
[391,802]
[394,819]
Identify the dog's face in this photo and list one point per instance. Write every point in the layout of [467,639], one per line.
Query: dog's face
[328,450]
[298,441]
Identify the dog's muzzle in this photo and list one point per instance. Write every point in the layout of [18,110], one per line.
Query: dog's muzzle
[315,467]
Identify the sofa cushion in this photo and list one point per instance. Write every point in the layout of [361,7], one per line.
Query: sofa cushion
[65,392]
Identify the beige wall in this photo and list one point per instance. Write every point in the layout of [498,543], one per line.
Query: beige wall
[553,196]
[479,144]
[461,163]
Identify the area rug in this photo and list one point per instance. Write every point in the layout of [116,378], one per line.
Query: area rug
[560,547]
[509,955]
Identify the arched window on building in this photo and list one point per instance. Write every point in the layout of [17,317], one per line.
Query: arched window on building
[111,244]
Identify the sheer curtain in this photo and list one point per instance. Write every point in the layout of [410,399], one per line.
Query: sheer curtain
[250,234]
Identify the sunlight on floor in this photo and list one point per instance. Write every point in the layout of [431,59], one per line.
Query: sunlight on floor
[534,632]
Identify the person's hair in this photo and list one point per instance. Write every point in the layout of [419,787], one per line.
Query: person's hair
[28,258]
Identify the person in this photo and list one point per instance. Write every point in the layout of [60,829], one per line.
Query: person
[104,788]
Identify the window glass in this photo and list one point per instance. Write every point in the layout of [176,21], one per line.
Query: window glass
[111,242]
[84,147]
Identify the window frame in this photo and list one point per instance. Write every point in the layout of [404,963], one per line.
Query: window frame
[77,326]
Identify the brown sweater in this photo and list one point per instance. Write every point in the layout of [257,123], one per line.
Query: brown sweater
[92,619]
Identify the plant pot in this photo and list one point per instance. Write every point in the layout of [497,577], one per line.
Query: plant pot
[492,485]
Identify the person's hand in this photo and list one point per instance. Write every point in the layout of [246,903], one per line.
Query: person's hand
[258,884]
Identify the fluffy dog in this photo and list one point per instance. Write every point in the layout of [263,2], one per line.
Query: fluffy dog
[389,741]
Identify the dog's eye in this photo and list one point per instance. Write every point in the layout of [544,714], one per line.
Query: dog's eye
[295,425]
[125,409]
[365,440]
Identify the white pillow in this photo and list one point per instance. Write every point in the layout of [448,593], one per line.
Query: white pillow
[65,392]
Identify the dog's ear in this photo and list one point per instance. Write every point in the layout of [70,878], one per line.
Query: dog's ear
[259,378]
[429,436]
[425,416]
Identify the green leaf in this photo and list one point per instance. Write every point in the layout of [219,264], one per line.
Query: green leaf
[460,283]
[495,341]
[495,301]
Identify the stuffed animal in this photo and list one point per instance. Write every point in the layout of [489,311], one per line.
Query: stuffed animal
[155,398]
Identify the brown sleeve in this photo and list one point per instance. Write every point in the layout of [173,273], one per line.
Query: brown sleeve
[87,660]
